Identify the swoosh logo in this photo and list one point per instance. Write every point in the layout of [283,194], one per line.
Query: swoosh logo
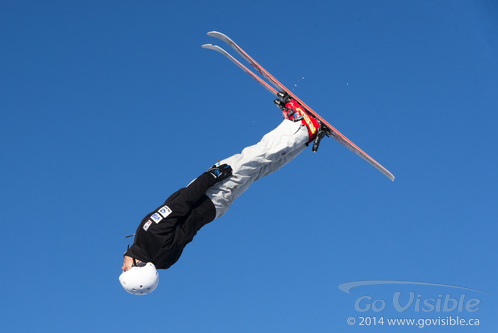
[346,287]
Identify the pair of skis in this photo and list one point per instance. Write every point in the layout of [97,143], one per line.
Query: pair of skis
[281,92]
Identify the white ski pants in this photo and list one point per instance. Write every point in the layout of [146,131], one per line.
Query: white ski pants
[275,149]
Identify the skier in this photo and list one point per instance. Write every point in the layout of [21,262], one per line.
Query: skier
[162,235]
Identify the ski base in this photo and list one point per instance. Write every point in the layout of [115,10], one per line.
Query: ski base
[280,89]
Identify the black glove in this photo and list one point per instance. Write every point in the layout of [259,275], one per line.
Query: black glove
[220,172]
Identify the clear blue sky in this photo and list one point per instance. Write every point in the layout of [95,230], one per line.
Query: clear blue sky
[109,107]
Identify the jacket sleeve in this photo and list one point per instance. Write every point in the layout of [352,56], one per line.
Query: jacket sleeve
[182,204]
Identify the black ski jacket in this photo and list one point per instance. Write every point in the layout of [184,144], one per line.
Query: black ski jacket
[162,234]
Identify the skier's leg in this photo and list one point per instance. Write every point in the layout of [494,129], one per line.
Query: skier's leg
[275,149]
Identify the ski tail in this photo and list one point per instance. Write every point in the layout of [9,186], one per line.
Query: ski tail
[280,87]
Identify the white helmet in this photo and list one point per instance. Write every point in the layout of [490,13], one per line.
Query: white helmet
[140,280]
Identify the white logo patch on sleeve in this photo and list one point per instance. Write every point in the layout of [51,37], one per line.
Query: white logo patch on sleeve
[156,217]
[147,225]
[165,211]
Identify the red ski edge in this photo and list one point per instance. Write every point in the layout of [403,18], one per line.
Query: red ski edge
[332,130]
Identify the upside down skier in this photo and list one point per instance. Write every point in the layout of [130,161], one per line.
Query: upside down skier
[162,235]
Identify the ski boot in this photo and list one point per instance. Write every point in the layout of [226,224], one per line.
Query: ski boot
[292,110]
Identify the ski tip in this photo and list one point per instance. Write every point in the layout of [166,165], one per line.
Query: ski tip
[212,47]
[215,48]
[220,35]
